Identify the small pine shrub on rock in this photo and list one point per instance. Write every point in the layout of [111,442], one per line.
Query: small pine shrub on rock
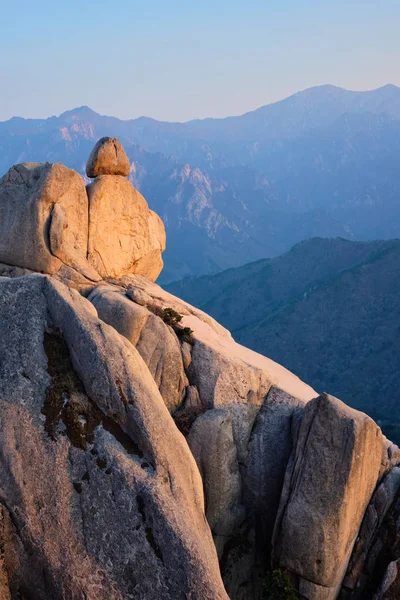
[171,317]
[277,586]
[184,334]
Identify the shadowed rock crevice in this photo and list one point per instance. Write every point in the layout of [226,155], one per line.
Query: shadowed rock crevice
[380,536]
[16,543]
[66,398]
[66,401]
[149,532]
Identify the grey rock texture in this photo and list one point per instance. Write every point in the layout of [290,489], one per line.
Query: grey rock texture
[362,563]
[221,380]
[262,468]
[156,342]
[100,496]
[245,419]
[329,482]
[212,445]
[108,157]
[192,398]
[44,219]
[274,428]
[186,354]
[138,296]
[229,390]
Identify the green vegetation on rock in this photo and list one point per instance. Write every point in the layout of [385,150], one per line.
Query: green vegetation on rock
[277,586]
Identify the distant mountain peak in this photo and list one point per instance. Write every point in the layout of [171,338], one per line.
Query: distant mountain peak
[79,112]
[389,86]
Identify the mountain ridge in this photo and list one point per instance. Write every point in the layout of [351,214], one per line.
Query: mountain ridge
[326,87]
[230,196]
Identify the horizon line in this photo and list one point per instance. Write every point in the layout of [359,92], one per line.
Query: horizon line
[302,91]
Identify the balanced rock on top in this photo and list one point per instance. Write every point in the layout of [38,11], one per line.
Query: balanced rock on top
[108,157]
[50,224]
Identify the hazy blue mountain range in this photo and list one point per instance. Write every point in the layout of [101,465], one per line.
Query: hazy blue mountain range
[324,162]
[328,310]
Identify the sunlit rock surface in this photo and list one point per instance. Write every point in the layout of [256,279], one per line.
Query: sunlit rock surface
[103,375]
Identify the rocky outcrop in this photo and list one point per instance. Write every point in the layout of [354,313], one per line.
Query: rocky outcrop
[44,219]
[100,495]
[108,157]
[50,224]
[249,422]
[231,391]
[156,342]
[124,235]
[370,541]
[390,586]
[329,482]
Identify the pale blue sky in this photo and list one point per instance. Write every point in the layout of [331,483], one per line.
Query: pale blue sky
[178,60]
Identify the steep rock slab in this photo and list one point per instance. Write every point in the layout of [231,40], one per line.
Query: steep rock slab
[328,485]
[162,299]
[108,157]
[124,235]
[225,371]
[270,446]
[156,342]
[150,264]
[230,385]
[44,219]
[100,495]
[212,445]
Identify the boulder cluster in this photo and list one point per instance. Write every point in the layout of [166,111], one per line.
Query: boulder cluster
[144,454]
[52,224]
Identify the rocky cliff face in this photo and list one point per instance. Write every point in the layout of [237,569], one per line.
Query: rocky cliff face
[103,375]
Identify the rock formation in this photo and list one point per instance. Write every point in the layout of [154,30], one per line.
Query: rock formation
[44,219]
[101,496]
[108,157]
[125,236]
[326,491]
[50,224]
